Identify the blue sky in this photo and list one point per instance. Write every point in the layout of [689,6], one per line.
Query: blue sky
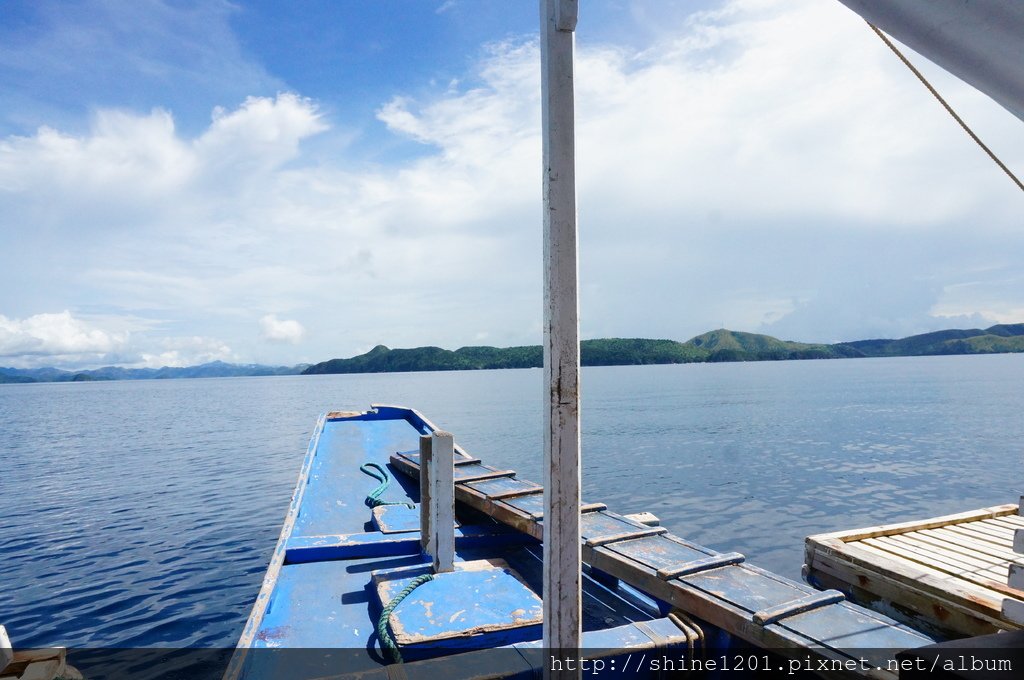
[284,182]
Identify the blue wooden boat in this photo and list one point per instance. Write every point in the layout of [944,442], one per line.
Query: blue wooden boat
[649,595]
[351,591]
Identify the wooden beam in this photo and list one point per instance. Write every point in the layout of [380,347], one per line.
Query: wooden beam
[441,473]
[562,550]
[425,532]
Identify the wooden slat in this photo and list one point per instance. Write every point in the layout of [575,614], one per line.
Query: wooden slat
[953,550]
[706,601]
[992,533]
[485,475]
[969,534]
[996,525]
[968,542]
[902,527]
[968,571]
[584,509]
[921,607]
[703,564]
[598,541]
[1011,522]
[884,566]
[932,553]
[515,493]
[798,606]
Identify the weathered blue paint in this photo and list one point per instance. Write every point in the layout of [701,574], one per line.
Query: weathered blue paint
[480,604]
[376,544]
[393,519]
[336,489]
[319,592]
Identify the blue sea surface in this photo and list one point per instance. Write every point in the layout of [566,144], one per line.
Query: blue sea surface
[143,513]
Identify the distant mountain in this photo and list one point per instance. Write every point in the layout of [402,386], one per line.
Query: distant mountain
[713,346]
[215,369]
[997,339]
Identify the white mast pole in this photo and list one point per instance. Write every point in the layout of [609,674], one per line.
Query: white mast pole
[562,597]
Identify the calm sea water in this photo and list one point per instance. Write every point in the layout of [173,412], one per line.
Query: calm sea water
[144,513]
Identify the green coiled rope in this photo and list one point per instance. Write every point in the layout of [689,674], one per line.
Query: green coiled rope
[381,475]
[386,640]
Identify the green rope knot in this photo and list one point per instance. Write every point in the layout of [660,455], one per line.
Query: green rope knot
[381,475]
[386,640]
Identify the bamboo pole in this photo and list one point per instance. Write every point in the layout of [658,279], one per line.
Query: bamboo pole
[562,551]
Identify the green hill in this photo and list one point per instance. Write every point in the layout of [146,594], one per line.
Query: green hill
[996,339]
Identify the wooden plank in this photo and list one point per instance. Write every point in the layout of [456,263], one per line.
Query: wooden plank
[924,611]
[1003,524]
[562,575]
[425,531]
[848,535]
[694,566]
[624,536]
[966,542]
[442,501]
[505,487]
[797,606]
[932,592]
[515,493]
[993,524]
[492,474]
[953,551]
[981,532]
[627,560]
[648,518]
[737,620]
[584,509]
[961,569]
[901,573]
[975,537]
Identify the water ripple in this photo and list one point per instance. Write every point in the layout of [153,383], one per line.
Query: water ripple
[144,513]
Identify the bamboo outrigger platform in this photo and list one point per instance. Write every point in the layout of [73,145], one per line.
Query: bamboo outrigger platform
[948,575]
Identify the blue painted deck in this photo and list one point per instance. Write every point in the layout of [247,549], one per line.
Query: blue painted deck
[334,568]
[321,589]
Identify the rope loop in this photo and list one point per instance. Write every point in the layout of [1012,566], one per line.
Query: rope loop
[378,472]
[387,641]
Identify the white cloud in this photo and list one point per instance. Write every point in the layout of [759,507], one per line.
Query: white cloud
[281,330]
[759,166]
[57,334]
[187,351]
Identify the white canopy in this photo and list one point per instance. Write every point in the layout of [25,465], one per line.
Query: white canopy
[979,41]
